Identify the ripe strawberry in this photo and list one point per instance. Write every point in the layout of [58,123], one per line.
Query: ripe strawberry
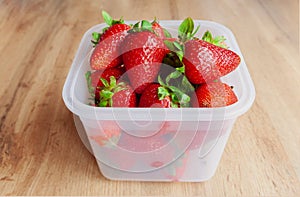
[215,94]
[150,98]
[117,72]
[205,62]
[143,53]
[95,84]
[116,94]
[106,53]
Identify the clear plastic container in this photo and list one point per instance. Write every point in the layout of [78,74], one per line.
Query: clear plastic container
[156,144]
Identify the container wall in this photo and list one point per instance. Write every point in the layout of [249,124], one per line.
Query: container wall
[170,151]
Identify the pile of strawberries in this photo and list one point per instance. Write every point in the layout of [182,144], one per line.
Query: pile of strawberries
[142,65]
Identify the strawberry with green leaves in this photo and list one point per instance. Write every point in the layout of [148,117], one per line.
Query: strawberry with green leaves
[205,59]
[95,84]
[214,94]
[106,53]
[143,52]
[167,94]
[116,94]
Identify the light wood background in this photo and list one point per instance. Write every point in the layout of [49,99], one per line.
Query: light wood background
[40,151]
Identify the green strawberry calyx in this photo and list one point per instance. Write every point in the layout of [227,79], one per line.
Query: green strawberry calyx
[140,26]
[177,89]
[110,22]
[186,30]
[109,89]
[218,40]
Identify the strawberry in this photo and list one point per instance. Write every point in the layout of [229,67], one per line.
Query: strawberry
[205,62]
[117,72]
[215,94]
[106,53]
[150,98]
[143,53]
[116,94]
[165,94]
[95,84]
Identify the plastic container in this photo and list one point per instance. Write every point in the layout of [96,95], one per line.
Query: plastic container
[155,144]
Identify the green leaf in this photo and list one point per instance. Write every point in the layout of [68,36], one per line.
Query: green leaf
[187,26]
[160,81]
[178,46]
[119,88]
[105,82]
[175,89]
[162,93]
[185,29]
[96,36]
[174,98]
[196,30]
[180,55]
[113,81]
[146,25]
[181,69]
[137,25]
[170,45]
[103,103]
[218,40]
[107,18]
[167,33]
[173,75]
[207,36]
[121,21]
[105,94]
[186,86]
[185,98]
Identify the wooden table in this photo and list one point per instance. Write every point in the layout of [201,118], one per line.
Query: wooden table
[40,151]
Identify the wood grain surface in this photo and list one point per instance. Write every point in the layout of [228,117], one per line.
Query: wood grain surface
[40,150]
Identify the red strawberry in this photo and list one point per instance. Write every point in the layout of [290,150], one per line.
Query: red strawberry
[205,62]
[215,94]
[95,84]
[106,53]
[124,98]
[150,98]
[117,72]
[116,94]
[143,53]
[158,30]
